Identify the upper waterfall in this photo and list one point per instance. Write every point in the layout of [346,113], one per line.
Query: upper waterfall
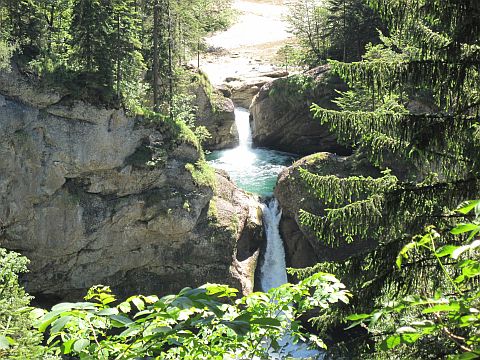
[252,169]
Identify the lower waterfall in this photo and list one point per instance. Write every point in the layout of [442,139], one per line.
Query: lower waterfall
[274,270]
[273,273]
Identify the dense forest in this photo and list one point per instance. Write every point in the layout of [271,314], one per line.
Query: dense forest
[408,111]
[127,53]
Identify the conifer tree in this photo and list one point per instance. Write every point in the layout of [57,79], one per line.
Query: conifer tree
[25,26]
[126,45]
[351,25]
[91,29]
[56,37]
[434,51]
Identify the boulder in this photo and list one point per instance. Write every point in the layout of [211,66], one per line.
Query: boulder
[281,117]
[244,89]
[92,196]
[301,247]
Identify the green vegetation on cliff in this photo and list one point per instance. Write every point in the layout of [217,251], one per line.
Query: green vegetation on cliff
[18,338]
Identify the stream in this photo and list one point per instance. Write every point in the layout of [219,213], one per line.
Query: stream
[253,170]
[256,170]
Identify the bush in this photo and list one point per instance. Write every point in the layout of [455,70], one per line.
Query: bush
[18,338]
[204,323]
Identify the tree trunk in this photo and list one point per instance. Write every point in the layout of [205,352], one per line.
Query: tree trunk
[156,25]
[170,60]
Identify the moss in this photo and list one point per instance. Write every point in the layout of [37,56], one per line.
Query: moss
[315,158]
[234,224]
[212,211]
[213,96]
[174,131]
[202,173]
[186,135]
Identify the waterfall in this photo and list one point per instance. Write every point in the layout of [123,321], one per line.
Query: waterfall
[257,170]
[242,122]
[253,169]
[273,271]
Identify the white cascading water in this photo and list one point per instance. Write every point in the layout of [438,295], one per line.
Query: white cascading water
[256,170]
[273,270]
[273,273]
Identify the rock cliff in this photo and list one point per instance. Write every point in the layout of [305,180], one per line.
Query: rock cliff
[301,247]
[92,196]
[216,112]
[281,117]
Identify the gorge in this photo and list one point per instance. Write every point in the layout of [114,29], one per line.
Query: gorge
[239,179]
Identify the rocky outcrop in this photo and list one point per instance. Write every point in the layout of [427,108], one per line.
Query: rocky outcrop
[243,90]
[216,112]
[92,196]
[281,117]
[301,247]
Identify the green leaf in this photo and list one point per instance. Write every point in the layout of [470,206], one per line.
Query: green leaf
[130,331]
[139,303]
[463,228]
[108,312]
[442,308]
[67,346]
[410,338]
[266,322]
[47,320]
[446,250]
[469,207]
[465,356]
[404,253]
[60,323]
[80,344]
[121,319]
[240,327]
[4,342]
[391,342]
[356,317]
[471,270]
[125,307]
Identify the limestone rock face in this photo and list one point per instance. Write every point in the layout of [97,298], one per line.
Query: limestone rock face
[244,89]
[301,247]
[217,113]
[281,117]
[92,196]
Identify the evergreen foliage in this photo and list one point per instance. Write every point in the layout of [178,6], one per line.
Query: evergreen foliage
[333,29]
[443,318]
[429,55]
[126,53]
